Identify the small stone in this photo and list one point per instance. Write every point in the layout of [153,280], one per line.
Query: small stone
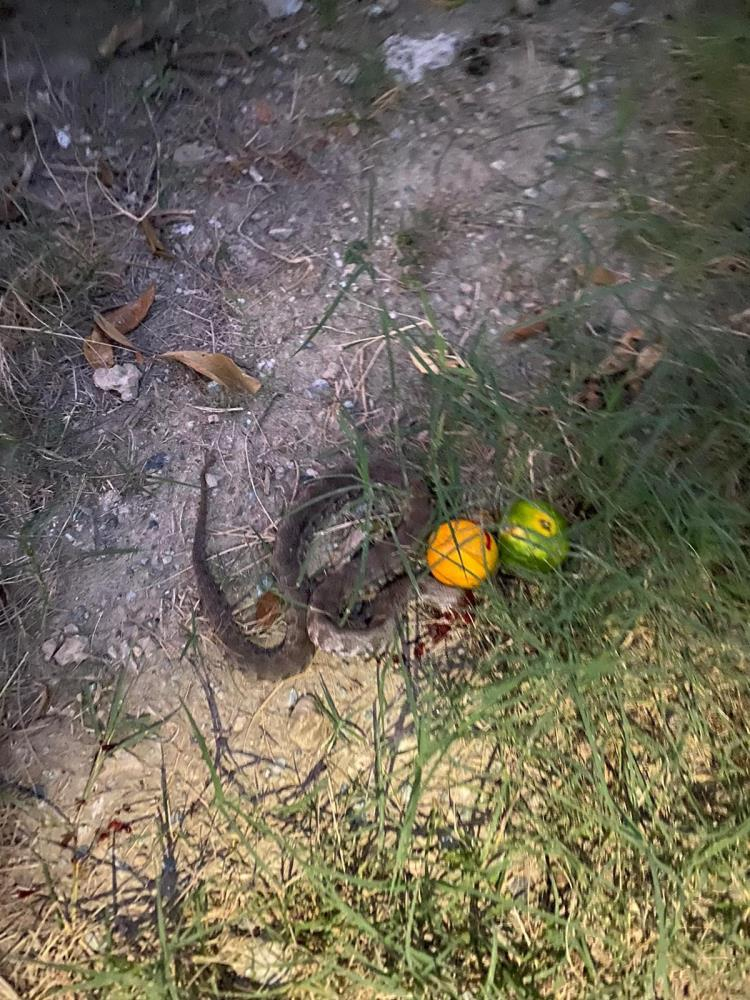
[72,651]
[459,312]
[382,9]
[530,192]
[319,389]
[63,138]
[212,480]
[602,174]
[566,57]
[70,629]
[569,140]
[466,288]
[213,418]
[621,8]
[49,649]
[499,165]
[190,154]
[122,379]
[572,89]
[282,8]
[156,462]
[280,233]
[307,727]
[221,82]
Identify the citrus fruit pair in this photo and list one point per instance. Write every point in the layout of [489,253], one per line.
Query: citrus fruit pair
[532,536]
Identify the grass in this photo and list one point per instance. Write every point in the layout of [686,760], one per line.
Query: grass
[567,817]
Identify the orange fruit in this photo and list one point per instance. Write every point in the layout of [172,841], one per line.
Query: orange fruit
[461,554]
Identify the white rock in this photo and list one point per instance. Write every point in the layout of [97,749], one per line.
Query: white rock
[72,651]
[212,481]
[191,153]
[63,138]
[499,165]
[122,379]
[282,8]
[49,648]
[410,58]
[569,140]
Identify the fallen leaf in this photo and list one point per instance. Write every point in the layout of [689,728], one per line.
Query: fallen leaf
[647,359]
[631,358]
[155,245]
[112,325]
[127,31]
[112,333]
[601,275]
[268,609]
[624,353]
[97,350]
[264,112]
[520,333]
[731,263]
[105,173]
[126,318]
[740,322]
[436,362]
[218,367]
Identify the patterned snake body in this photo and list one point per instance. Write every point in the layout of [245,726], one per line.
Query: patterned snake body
[313,613]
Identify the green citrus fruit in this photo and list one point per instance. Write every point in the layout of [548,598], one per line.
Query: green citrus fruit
[533,536]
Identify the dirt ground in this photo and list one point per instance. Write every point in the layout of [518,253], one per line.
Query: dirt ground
[273,148]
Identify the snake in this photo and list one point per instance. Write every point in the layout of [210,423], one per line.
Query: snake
[314,610]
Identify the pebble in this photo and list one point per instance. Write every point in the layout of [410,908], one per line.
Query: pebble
[190,154]
[156,462]
[70,629]
[49,647]
[459,312]
[282,8]
[572,89]
[621,8]
[307,727]
[602,174]
[569,140]
[319,389]
[498,165]
[466,288]
[281,233]
[122,379]
[212,480]
[72,651]
[382,9]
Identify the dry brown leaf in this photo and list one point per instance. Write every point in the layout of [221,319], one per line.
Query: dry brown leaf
[740,322]
[425,362]
[624,353]
[601,275]
[153,241]
[127,31]
[520,333]
[268,609]
[604,276]
[112,333]
[112,325]
[630,358]
[264,112]
[97,350]
[105,173]
[218,367]
[126,318]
